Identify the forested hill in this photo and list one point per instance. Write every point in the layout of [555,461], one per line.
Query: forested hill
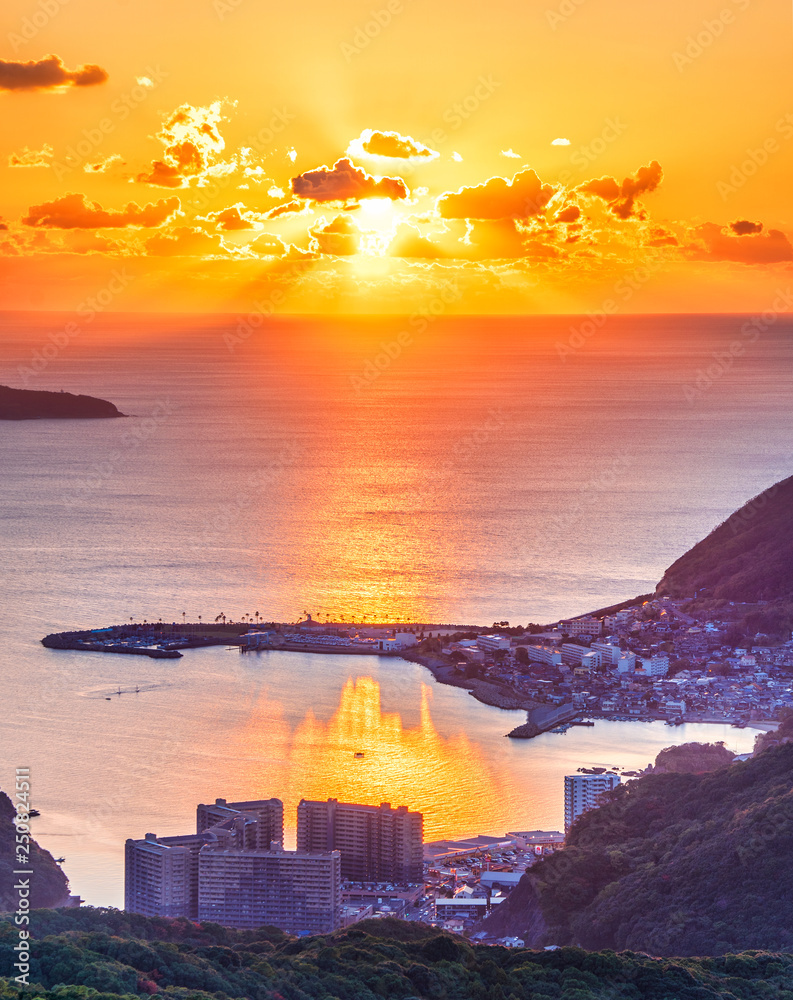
[672,864]
[747,558]
[91,954]
[49,886]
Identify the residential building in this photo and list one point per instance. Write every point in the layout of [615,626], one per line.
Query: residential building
[253,824]
[609,652]
[297,891]
[377,843]
[582,791]
[626,664]
[544,654]
[161,875]
[656,665]
[492,643]
[619,618]
[573,653]
[581,626]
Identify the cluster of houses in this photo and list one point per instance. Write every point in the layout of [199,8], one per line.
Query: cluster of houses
[648,661]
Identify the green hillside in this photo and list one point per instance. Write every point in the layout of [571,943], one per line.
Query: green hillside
[50,887]
[671,864]
[106,955]
[747,558]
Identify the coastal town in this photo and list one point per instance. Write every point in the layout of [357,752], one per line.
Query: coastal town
[648,659]
[353,862]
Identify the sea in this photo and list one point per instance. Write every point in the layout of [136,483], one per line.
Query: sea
[359,469]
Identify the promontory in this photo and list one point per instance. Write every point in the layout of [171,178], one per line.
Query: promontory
[36,404]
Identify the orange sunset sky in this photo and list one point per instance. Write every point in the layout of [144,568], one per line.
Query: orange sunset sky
[381,155]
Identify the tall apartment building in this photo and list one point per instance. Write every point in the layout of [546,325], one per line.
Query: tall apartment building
[377,843]
[161,875]
[253,824]
[582,791]
[298,891]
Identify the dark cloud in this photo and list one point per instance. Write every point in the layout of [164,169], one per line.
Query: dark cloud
[772,247]
[745,228]
[572,213]
[48,73]
[345,182]
[235,217]
[394,145]
[163,174]
[604,187]
[74,211]
[621,198]
[525,195]
[341,237]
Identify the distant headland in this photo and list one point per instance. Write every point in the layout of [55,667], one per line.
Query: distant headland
[35,404]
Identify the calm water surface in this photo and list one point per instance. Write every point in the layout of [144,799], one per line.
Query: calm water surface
[478,477]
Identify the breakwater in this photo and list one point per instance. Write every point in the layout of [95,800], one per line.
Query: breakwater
[128,642]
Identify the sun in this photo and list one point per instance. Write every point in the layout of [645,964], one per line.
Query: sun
[378,213]
[378,223]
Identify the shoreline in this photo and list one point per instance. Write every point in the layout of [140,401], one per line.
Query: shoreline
[541,718]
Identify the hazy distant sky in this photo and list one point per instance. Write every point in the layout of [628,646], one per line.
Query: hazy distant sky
[385,155]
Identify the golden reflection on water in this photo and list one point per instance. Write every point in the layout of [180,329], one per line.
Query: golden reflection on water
[445,777]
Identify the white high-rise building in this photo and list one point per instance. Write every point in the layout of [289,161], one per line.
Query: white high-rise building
[582,791]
